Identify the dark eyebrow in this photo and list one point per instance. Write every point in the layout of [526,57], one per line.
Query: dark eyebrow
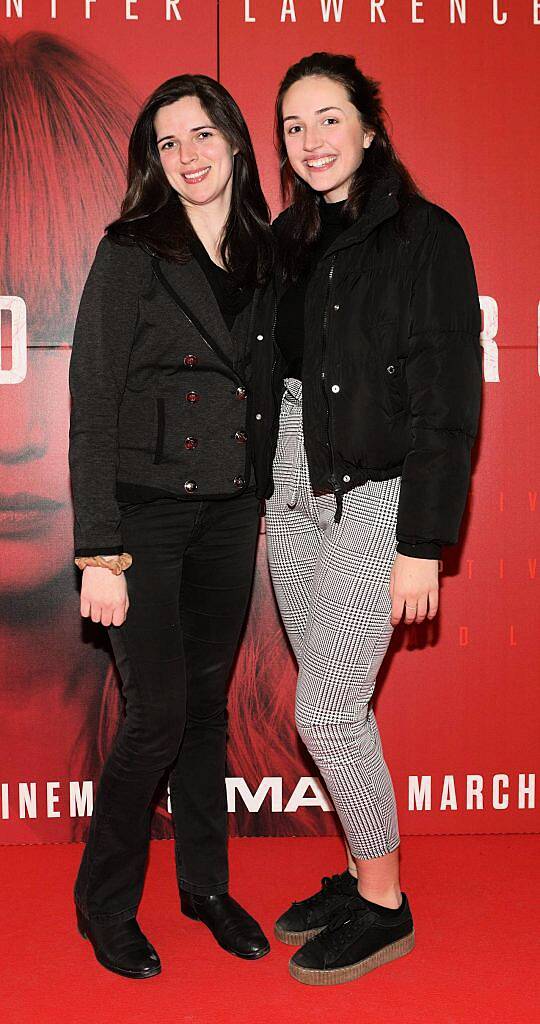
[323,110]
[199,129]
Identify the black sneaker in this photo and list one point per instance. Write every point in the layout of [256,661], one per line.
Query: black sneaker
[360,937]
[307,918]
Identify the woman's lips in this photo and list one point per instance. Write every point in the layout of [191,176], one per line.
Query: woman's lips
[321,163]
[194,177]
[24,514]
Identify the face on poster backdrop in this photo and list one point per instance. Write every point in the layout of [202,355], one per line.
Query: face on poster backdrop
[442,145]
[62,180]
[57,209]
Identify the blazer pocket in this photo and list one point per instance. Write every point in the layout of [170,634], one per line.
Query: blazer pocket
[180,422]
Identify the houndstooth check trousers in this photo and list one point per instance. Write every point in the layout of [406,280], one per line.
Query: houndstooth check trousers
[332,586]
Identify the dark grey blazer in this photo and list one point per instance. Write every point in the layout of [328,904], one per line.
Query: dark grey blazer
[157,400]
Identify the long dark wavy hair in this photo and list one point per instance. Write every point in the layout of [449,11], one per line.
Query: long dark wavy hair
[302,227]
[152,214]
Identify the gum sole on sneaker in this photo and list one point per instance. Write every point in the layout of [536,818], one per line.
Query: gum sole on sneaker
[296,938]
[339,975]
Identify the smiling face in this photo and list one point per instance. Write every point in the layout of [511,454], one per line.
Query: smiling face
[324,135]
[195,155]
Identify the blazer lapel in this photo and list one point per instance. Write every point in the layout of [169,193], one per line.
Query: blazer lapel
[189,283]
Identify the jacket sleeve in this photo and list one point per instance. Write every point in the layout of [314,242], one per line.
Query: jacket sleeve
[444,377]
[102,345]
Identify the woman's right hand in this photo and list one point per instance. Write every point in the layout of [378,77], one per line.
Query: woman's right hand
[104,596]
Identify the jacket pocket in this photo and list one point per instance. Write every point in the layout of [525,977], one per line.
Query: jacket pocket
[397,384]
[383,368]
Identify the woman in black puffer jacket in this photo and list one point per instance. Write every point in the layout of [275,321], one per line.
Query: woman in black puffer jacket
[375,324]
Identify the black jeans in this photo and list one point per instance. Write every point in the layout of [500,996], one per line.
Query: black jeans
[188,588]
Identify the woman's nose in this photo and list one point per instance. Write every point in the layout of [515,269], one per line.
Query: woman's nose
[22,435]
[312,139]
[188,153]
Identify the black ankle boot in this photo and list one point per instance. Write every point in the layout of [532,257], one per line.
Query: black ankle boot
[232,927]
[120,946]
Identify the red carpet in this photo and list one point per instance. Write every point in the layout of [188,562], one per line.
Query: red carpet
[474,899]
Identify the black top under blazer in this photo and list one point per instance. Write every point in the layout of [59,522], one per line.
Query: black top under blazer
[160,398]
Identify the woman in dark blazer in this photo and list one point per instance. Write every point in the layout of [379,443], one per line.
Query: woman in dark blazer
[166,516]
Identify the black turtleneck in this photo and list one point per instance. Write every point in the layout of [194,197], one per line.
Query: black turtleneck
[290,312]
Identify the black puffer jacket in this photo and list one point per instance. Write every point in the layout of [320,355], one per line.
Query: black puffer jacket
[392,366]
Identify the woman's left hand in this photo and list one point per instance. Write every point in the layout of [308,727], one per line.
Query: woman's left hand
[414,587]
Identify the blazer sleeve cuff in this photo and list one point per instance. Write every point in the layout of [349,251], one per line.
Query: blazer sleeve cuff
[98,549]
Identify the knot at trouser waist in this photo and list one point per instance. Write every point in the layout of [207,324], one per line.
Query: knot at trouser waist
[293,391]
[293,398]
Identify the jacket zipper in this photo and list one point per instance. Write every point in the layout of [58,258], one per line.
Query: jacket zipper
[275,409]
[273,337]
[323,378]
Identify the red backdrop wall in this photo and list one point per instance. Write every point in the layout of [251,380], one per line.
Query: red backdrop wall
[458,702]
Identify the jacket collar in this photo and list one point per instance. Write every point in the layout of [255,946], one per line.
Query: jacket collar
[382,203]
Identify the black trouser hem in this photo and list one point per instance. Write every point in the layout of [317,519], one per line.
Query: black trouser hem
[217,889]
[120,915]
